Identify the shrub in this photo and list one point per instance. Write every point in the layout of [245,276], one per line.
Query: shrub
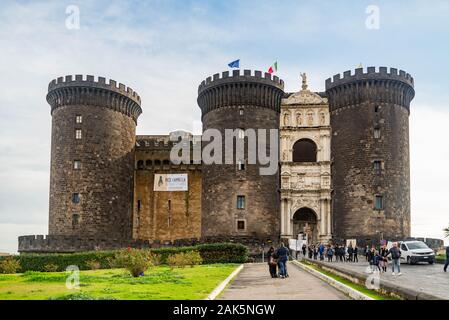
[210,253]
[184,259]
[9,265]
[93,264]
[136,261]
[51,267]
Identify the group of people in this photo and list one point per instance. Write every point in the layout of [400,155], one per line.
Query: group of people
[378,259]
[340,252]
[277,259]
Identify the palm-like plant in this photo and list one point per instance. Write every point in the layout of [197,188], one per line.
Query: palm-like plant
[446,232]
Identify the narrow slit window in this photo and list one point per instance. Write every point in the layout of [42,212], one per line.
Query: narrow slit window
[379,202]
[240,202]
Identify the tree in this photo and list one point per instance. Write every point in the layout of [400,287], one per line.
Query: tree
[446,232]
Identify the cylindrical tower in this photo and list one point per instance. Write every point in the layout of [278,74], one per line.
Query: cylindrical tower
[237,200]
[92,157]
[370,153]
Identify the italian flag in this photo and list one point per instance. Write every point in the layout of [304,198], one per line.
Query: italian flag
[273,68]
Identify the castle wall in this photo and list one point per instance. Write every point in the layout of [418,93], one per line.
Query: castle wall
[240,101]
[105,150]
[361,104]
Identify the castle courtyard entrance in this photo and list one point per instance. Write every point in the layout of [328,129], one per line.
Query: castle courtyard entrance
[305,223]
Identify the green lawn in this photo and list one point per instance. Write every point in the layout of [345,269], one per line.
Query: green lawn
[159,283]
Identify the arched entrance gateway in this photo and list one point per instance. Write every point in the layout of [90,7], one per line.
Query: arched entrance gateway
[305,223]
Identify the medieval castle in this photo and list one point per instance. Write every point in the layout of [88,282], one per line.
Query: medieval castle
[343,170]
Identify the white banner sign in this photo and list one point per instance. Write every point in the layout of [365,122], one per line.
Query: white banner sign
[171,182]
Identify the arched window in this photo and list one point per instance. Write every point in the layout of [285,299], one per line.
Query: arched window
[166,162]
[140,164]
[157,162]
[304,150]
[148,163]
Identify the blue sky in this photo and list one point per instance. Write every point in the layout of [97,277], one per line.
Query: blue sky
[163,49]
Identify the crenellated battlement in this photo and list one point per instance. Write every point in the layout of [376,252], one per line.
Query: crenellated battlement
[370,74]
[237,76]
[374,86]
[240,89]
[72,90]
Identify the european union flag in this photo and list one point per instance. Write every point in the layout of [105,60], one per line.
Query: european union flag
[234,64]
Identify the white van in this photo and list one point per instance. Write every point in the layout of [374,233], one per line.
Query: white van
[414,251]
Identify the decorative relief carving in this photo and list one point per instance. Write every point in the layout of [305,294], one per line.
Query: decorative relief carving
[299,119]
[310,118]
[286,119]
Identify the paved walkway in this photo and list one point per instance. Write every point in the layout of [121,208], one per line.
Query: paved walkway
[427,278]
[255,283]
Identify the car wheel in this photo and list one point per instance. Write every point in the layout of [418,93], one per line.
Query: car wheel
[409,261]
[430,262]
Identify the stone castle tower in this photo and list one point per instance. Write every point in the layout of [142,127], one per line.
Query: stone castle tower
[236,199]
[369,115]
[92,157]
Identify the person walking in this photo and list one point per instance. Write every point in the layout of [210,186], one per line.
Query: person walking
[355,254]
[370,258]
[376,261]
[321,251]
[310,251]
[330,253]
[396,256]
[272,263]
[447,259]
[367,253]
[337,252]
[384,255]
[304,247]
[282,257]
[350,253]
[315,252]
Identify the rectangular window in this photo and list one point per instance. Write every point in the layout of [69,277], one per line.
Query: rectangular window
[377,166]
[379,203]
[77,164]
[240,225]
[241,111]
[78,134]
[376,133]
[76,198]
[139,205]
[79,119]
[240,202]
[75,220]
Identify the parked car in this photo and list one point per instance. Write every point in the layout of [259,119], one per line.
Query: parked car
[414,252]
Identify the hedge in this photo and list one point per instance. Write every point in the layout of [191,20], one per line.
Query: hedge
[210,253]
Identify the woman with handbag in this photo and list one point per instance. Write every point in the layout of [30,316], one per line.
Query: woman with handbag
[272,262]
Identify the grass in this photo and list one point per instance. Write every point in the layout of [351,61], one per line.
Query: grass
[159,283]
[368,292]
[441,257]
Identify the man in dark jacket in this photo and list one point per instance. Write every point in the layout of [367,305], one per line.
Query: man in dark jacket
[396,256]
[282,255]
[447,259]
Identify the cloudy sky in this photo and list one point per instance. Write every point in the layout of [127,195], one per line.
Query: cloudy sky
[164,48]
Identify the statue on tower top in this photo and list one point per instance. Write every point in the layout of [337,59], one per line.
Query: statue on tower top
[304,80]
